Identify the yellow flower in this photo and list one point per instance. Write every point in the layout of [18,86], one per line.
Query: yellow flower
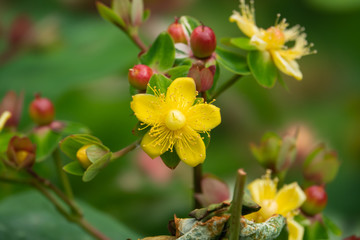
[176,121]
[274,40]
[3,119]
[286,202]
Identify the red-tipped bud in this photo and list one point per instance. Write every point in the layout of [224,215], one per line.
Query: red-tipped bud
[203,77]
[214,190]
[316,200]
[42,110]
[203,42]
[21,152]
[139,76]
[12,103]
[176,32]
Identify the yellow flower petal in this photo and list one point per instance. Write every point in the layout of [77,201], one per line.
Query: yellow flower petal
[191,149]
[203,117]
[147,108]
[289,198]
[289,67]
[296,231]
[151,146]
[3,119]
[182,93]
[262,189]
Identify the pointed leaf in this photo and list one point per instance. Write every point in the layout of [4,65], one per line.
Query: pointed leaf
[189,24]
[109,15]
[71,144]
[158,82]
[161,55]
[137,12]
[95,168]
[171,159]
[46,142]
[231,61]
[178,71]
[74,168]
[332,226]
[122,8]
[243,43]
[263,68]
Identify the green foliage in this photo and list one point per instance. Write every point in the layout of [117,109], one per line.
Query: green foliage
[109,15]
[71,144]
[46,141]
[178,71]
[263,68]
[189,24]
[233,62]
[243,43]
[38,219]
[330,225]
[158,83]
[74,168]
[161,55]
[95,168]
[171,159]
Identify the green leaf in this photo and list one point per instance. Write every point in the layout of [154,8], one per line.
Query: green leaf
[332,226]
[171,159]
[74,128]
[158,83]
[95,152]
[95,168]
[71,144]
[161,55]
[263,68]
[146,14]
[189,24]
[270,229]
[231,61]
[38,219]
[316,231]
[179,71]
[46,141]
[137,12]
[109,15]
[243,43]
[248,204]
[122,8]
[5,139]
[74,168]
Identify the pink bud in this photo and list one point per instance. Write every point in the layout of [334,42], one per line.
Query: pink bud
[316,200]
[42,111]
[214,190]
[203,42]
[176,32]
[203,77]
[139,76]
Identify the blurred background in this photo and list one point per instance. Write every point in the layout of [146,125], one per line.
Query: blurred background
[80,62]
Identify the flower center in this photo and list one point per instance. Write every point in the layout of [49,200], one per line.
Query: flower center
[175,120]
[274,37]
[268,208]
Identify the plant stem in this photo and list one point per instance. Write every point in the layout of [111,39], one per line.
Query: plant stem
[197,177]
[236,206]
[134,36]
[62,175]
[57,191]
[91,230]
[125,150]
[225,86]
[14,180]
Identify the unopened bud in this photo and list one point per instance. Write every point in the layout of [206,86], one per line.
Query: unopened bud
[12,103]
[203,77]
[176,31]
[214,190]
[316,200]
[21,152]
[42,111]
[203,42]
[139,76]
[321,166]
[82,156]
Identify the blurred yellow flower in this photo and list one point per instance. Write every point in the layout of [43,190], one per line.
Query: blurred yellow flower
[176,121]
[274,40]
[286,202]
[3,118]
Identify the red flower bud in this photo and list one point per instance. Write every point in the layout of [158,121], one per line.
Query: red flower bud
[316,200]
[13,104]
[176,32]
[42,111]
[203,42]
[139,76]
[203,77]
[21,152]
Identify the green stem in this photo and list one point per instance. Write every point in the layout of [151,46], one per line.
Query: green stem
[134,36]
[236,206]
[56,190]
[62,175]
[14,180]
[225,86]
[125,150]
[197,177]
[90,229]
